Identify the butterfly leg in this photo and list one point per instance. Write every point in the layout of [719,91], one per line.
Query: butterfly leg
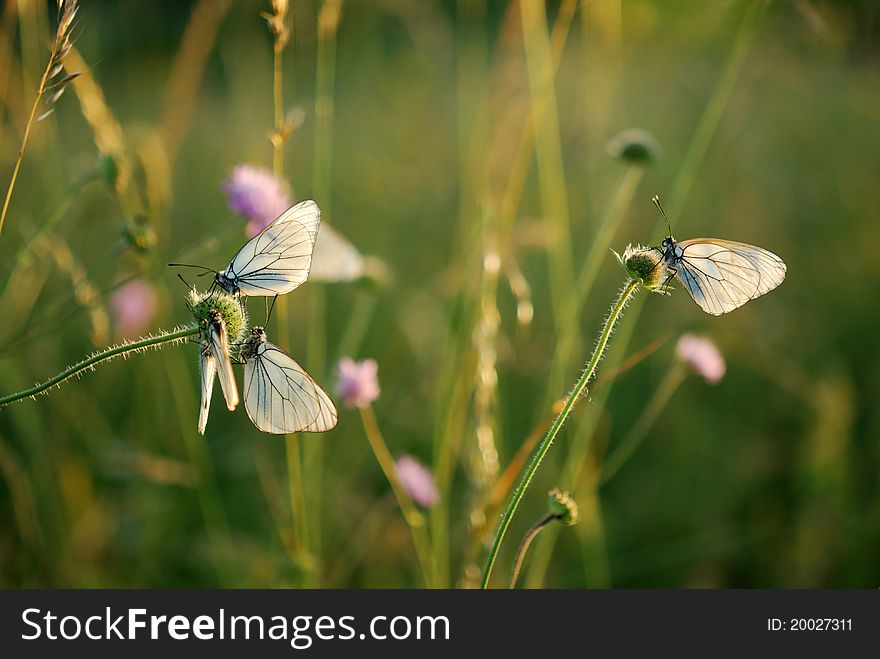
[664,288]
[270,308]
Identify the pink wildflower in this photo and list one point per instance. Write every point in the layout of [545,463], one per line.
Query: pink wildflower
[702,356]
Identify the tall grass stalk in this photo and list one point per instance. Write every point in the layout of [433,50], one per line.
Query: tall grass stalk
[277,21]
[548,143]
[8,21]
[579,390]
[278,26]
[455,377]
[313,452]
[458,374]
[299,510]
[61,44]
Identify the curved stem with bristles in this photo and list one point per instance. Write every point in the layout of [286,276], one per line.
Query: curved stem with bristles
[579,390]
[148,343]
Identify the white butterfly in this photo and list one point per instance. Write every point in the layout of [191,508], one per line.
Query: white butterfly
[720,275]
[279,396]
[277,259]
[218,345]
[207,370]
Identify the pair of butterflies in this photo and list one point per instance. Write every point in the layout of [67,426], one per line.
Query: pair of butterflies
[279,396]
[720,275]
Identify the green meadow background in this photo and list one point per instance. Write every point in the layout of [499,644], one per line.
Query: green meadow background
[445,138]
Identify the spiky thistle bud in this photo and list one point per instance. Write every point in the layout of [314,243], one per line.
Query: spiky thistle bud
[562,507]
[644,264]
[202,303]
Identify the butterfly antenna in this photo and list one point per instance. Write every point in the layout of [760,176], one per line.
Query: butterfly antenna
[656,200]
[189,265]
[185,282]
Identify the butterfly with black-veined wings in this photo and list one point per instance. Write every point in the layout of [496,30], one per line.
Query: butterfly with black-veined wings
[207,371]
[277,259]
[279,396]
[720,275]
[218,345]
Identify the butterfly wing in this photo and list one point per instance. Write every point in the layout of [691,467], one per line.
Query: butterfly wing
[278,259]
[722,275]
[335,259]
[219,347]
[281,398]
[207,369]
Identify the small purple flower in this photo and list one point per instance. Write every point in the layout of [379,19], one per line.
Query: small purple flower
[702,356]
[257,194]
[133,307]
[357,382]
[417,480]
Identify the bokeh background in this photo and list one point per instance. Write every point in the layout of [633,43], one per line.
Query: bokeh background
[464,146]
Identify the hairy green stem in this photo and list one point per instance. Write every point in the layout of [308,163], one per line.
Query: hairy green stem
[151,342]
[579,389]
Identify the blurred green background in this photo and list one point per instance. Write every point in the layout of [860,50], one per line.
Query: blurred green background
[441,138]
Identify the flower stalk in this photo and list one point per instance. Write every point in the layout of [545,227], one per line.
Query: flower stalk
[579,389]
[562,508]
[530,535]
[124,350]
[414,519]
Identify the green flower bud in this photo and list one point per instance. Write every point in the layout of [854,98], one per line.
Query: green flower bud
[230,308]
[562,506]
[634,146]
[644,264]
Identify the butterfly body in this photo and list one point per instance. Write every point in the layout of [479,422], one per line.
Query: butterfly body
[227,283]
